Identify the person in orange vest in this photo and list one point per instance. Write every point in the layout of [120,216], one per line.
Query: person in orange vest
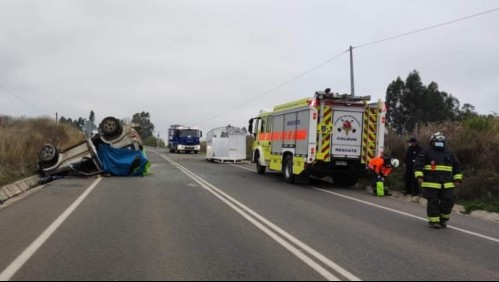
[379,168]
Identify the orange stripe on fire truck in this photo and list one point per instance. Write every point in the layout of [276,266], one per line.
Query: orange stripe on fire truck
[284,135]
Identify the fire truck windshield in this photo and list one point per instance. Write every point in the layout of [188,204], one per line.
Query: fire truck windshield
[189,133]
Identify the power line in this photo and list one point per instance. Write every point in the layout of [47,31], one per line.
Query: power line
[331,59]
[22,100]
[273,89]
[426,28]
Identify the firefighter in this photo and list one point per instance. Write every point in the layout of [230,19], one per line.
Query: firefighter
[379,169]
[438,172]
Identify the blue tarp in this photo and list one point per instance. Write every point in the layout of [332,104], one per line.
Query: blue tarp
[122,162]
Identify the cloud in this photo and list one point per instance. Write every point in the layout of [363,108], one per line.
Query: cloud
[189,61]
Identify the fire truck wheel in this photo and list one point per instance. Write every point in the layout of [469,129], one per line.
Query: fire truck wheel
[260,169]
[288,169]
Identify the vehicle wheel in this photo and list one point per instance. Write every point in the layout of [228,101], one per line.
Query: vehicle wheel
[110,126]
[48,154]
[260,169]
[289,177]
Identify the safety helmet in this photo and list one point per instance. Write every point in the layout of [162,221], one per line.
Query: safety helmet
[395,163]
[437,141]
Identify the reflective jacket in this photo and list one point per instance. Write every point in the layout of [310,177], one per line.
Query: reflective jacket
[379,167]
[438,168]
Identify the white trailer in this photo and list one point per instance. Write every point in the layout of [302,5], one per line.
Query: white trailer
[226,144]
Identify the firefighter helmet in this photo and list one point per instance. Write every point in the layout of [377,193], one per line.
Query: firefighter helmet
[437,141]
[390,162]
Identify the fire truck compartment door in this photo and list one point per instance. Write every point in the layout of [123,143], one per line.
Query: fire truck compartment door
[347,132]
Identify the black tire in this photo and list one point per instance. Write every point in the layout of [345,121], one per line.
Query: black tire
[287,169]
[111,126]
[48,155]
[260,169]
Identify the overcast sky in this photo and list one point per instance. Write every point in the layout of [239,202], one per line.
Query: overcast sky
[189,61]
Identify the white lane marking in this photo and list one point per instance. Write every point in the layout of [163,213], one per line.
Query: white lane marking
[14,267]
[496,240]
[246,168]
[408,214]
[246,212]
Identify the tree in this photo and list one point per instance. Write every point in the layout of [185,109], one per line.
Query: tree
[412,104]
[396,114]
[92,116]
[468,112]
[412,101]
[81,122]
[146,127]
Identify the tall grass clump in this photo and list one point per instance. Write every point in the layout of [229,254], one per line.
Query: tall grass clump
[20,139]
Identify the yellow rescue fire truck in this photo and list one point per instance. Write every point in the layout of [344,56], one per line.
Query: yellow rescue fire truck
[326,135]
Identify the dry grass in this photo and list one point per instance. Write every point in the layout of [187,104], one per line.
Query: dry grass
[20,139]
[475,142]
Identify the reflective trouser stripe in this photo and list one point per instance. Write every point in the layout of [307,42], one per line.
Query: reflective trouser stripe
[440,203]
[458,176]
[434,219]
[435,185]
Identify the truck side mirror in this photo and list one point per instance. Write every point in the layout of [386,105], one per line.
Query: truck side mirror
[250,127]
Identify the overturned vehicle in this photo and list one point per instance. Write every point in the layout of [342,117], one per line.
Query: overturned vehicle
[117,149]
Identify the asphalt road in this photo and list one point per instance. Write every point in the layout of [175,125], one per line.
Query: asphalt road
[195,220]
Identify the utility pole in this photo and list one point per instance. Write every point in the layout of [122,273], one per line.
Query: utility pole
[157,143]
[56,118]
[351,72]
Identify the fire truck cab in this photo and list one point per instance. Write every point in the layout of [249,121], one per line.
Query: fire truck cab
[184,139]
[326,135]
